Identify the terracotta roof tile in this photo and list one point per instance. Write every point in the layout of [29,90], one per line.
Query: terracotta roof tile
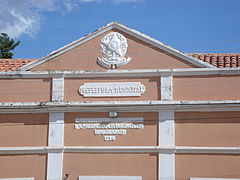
[13,64]
[220,60]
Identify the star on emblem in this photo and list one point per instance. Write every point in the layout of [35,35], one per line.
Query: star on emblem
[113,47]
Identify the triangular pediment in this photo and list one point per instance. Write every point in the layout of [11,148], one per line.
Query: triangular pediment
[145,52]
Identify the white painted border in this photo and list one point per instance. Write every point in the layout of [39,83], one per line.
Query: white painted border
[126,106]
[123,149]
[55,139]
[121,73]
[31,178]
[57,89]
[166,129]
[166,88]
[109,178]
[56,129]
[166,138]
[196,178]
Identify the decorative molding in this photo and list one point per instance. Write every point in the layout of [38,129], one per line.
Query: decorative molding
[109,178]
[57,89]
[114,48]
[196,178]
[118,149]
[31,178]
[120,73]
[55,139]
[130,106]
[112,89]
[123,149]
[206,150]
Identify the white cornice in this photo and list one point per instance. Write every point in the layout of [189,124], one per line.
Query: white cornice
[118,149]
[132,32]
[121,73]
[120,106]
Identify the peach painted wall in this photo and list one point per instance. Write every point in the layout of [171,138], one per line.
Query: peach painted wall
[207,128]
[134,137]
[143,55]
[26,165]
[151,84]
[23,129]
[211,166]
[206,88]
[144,165]
[25,90]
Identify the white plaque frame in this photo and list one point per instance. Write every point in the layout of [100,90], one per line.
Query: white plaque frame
[112,89]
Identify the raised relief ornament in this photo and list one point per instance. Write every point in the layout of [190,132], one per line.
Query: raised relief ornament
[114,48]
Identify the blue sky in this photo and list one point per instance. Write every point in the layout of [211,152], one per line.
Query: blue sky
[42,26]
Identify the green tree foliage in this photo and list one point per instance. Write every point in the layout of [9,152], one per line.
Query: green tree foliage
[6,45]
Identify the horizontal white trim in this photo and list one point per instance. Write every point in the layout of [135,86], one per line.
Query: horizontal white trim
[31,178]
[122,73]
[207,150]
[196,178]
[119,149]
[30,150]
[126,106]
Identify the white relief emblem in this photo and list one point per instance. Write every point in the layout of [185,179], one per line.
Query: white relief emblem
[114,48]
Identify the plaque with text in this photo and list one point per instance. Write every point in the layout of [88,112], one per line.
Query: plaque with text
[113,89]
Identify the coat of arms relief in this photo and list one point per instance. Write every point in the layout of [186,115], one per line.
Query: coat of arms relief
[114,48]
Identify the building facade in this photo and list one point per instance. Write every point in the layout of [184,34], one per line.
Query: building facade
[120,105]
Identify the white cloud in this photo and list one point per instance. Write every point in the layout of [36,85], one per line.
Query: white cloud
[24,16]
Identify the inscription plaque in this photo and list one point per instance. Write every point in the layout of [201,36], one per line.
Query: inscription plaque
[115,89]
[108,127]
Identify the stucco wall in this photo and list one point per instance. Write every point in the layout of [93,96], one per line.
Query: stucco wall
[23,129]
[206,88]
[25,90]
[209,165]
[207,128]
[144,165]
[25,165]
